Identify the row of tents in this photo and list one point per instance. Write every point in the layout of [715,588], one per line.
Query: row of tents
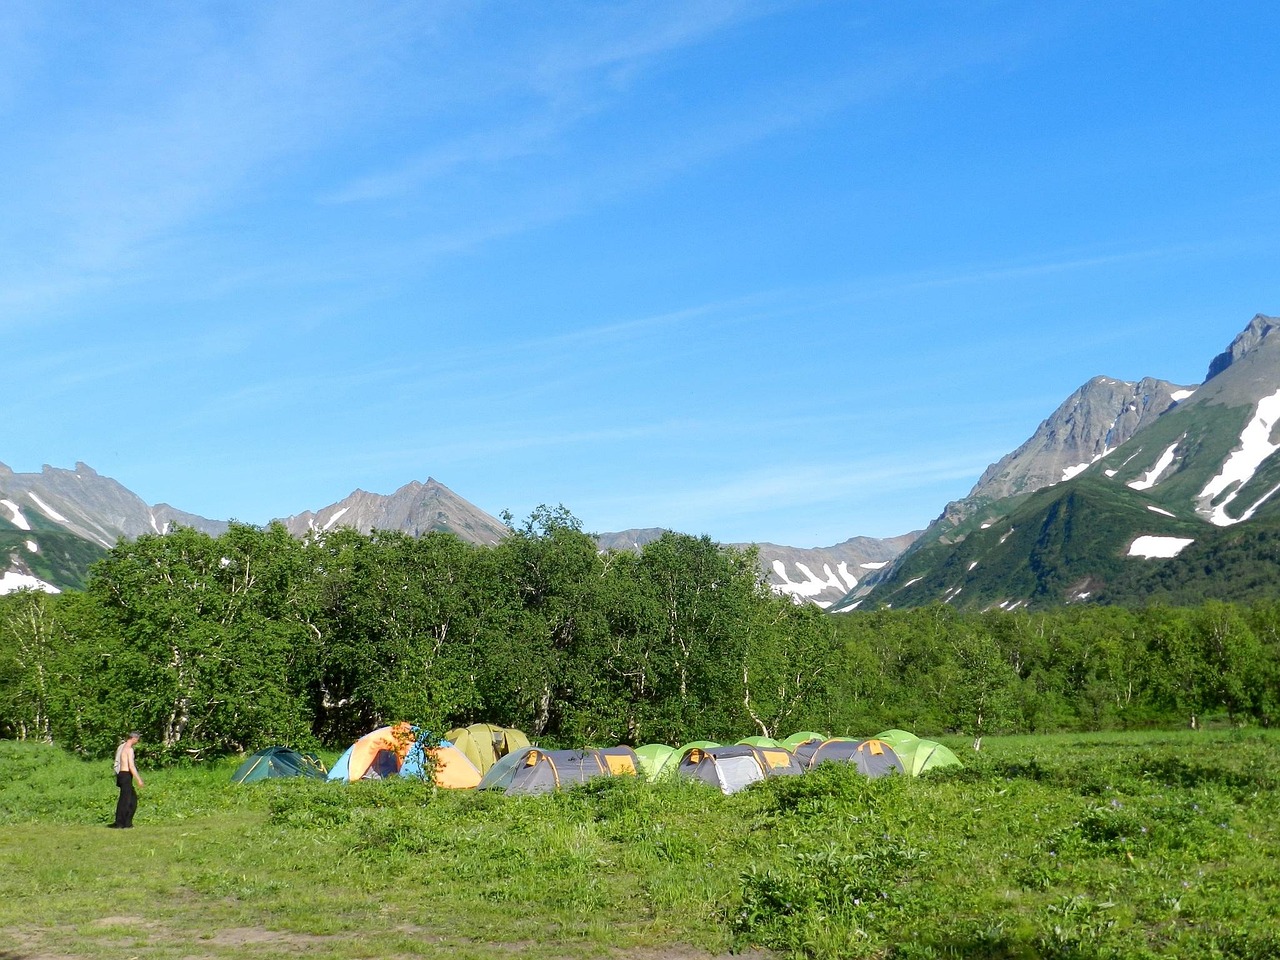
[489,757]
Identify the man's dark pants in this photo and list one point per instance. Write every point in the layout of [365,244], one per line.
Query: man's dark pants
[128,802]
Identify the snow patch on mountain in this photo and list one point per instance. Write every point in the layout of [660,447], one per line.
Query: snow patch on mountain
[1255,447]
[1180,395]
[335,518]
[1069,472]
[1152,547]
[18,520]
[1079,468]
[47,510]
[813,585]
[11,582]
[1164,512]
[1152,476]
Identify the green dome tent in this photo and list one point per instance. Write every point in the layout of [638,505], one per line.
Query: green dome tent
[803,736]
[761,742]
[278,762]
[653,757]
[919,755]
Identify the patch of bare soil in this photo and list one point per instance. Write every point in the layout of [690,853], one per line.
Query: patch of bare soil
[27,945]
[243,936]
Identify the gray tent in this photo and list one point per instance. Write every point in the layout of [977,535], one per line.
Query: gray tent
[875,758]
[533,770]
[733,768]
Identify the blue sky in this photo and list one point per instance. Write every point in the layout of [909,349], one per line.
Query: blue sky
[787,272]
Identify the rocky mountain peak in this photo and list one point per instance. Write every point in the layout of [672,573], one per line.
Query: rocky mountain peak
[1259,328]
[1094,420]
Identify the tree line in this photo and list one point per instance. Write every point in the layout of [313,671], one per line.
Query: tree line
[212,645]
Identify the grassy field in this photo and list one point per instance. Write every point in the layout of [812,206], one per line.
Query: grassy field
[1137,845]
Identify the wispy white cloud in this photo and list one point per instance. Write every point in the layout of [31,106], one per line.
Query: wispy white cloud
[546,88]
[584,171]
[832,489]
[189,114]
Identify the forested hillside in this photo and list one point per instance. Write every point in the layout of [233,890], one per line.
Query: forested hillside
[214,644]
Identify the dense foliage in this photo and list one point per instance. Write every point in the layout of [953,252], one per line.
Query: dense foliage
[212,645]
[216,644]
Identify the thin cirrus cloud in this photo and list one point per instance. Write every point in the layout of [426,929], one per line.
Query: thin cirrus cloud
[581,165]
[715,503]
[191,126]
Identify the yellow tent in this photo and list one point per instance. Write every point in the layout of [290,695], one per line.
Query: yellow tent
[484,744]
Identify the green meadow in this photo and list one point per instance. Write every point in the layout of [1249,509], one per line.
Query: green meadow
[1073,846]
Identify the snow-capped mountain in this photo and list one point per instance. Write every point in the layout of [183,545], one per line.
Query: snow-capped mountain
[825,575]
[53,524]
[1087,426]
[1195,462]
[89,505]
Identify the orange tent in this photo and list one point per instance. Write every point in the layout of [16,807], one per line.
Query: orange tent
[393,750]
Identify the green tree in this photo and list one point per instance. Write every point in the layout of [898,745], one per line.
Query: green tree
[399,614]
[976,682]
[558,626]
[209,637]
[28,668]
[787,668]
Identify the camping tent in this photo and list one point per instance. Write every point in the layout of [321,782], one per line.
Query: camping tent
[875,758]
[450,766]
[733,768]
[621,761]
[486,743]
[680,752]
[533,770]
[653,757]
[761,742]
[278,762]
[803,736]
[397,749]
[919,755]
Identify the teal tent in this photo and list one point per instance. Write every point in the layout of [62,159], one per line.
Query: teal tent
[278,762]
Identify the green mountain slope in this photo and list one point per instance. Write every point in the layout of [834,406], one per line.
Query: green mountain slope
[1060,545]
[1187,508]
[61,559]
[1237,564]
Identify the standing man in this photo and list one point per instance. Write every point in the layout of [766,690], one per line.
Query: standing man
[126,776]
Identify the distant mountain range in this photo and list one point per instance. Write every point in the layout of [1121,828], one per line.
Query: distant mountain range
[53,524]
[1128,492]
